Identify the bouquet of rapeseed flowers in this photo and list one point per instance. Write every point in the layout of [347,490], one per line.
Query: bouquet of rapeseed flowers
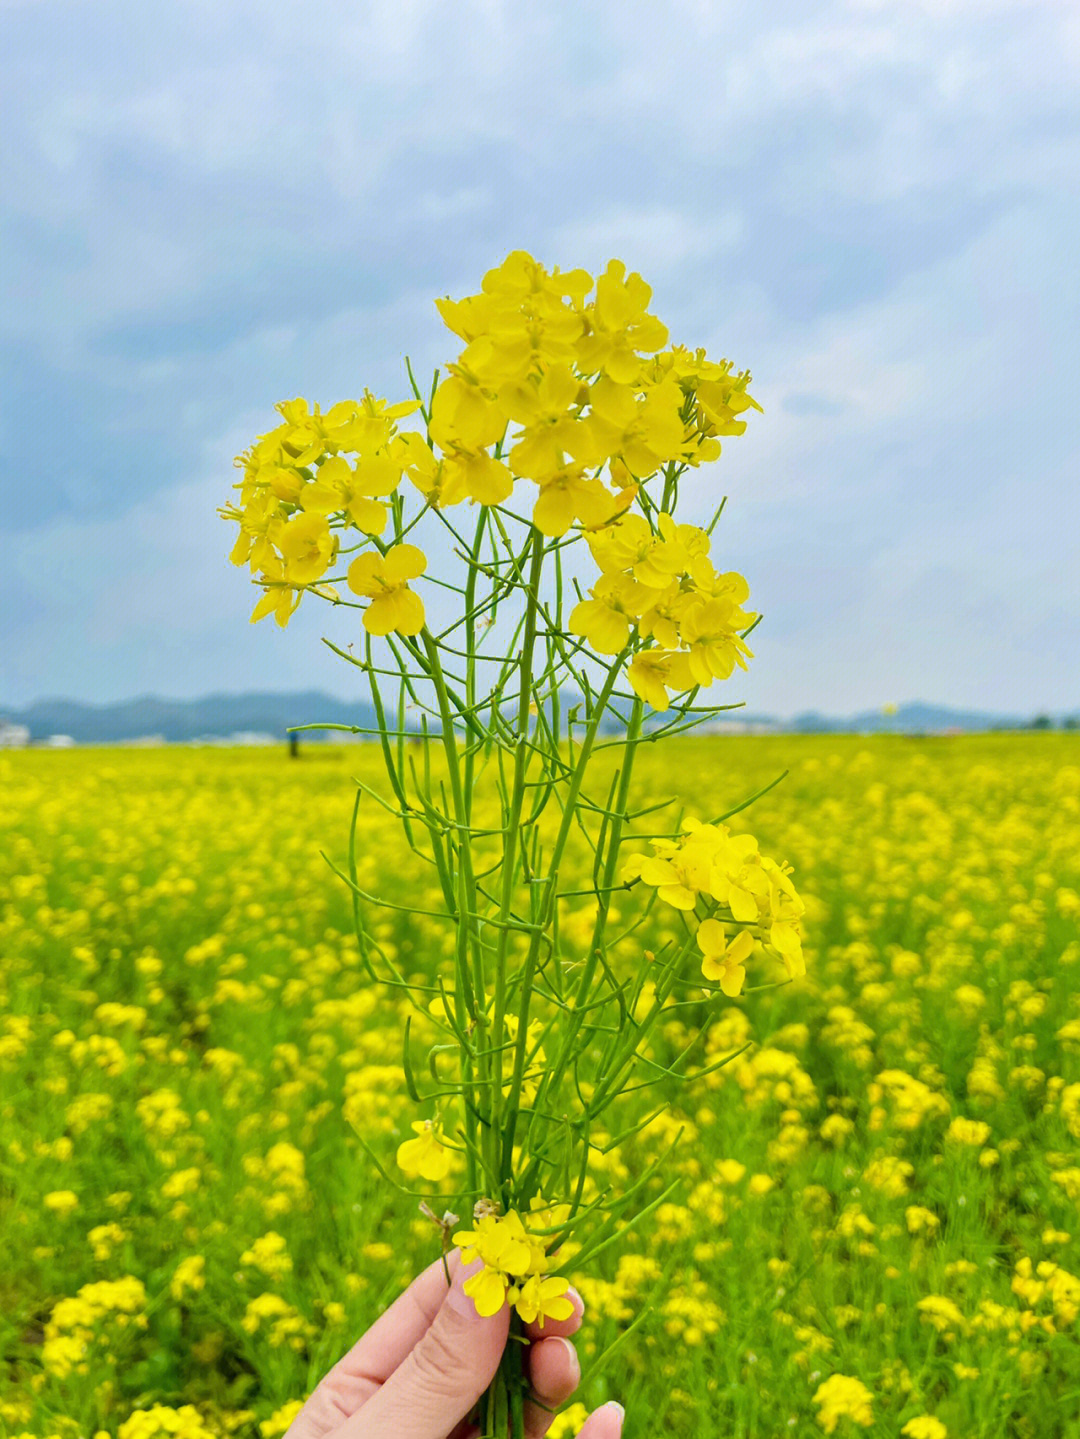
[558,438]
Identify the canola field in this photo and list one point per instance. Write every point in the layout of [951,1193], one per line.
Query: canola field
[877,1230]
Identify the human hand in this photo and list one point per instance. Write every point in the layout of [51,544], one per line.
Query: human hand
[421,1367]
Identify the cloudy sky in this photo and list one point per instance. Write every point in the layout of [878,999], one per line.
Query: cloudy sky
[217,204]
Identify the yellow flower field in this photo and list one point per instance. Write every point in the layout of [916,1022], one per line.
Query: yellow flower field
[877,1228]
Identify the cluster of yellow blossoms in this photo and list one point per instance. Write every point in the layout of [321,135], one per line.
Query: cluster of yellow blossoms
[664,583]
[707,862]
[515,1265]
[842,1397]
[588,386]
[77,1322]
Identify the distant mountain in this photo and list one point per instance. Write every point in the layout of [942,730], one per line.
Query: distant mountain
[224,715]
[913,718]
[180,720]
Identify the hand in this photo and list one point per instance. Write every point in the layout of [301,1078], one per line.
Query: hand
[421,1367]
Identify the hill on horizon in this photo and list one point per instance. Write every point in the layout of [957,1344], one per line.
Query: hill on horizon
[221,715]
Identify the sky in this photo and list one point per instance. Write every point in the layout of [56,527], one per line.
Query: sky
[875,207]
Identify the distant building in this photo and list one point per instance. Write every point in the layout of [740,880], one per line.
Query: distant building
[59,741]
[251,737]
[13,736]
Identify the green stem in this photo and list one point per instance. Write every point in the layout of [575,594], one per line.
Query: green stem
[469,986]
[512,826]
[577,1016]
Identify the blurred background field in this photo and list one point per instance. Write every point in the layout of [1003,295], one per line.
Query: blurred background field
[883,1187]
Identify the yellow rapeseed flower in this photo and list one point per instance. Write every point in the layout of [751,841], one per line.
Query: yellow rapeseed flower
[724,961]
[384,580]
[61,1202]
[842,1397]
[424,1157]
[925,1427]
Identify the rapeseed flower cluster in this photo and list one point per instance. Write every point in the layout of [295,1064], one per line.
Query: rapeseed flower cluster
[661,585]
[708,864]
[573,395]
[514,1265]
[842,1397]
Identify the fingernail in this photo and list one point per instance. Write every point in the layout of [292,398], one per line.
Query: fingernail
[457,1299]
[616,1409]
[576,1299]
[575,1362]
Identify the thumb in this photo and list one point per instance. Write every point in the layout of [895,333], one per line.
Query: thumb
[442,1376]
[604,1423]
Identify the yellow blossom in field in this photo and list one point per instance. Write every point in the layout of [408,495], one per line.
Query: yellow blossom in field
[161,1421]
[281,1418]
[889,1175]
[77,1321]
[836,1128]
[566,1424]
[942,1314]
[925,1427]
[730,1171]
[920,1220]
[189,1277]
[273,1316]
[107,850]
[910,1100]
[1061,1288]
[182,1182]
[842,1397]
[103,1240]
[1070,1109]
[972,1132]
[270,1255]
[61,1202]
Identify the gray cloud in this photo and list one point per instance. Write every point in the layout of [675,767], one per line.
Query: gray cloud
[213,207]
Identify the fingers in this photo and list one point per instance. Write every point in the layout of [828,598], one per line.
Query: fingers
[554,1374]
[605,1423]
[441,1378]
[375,1356]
